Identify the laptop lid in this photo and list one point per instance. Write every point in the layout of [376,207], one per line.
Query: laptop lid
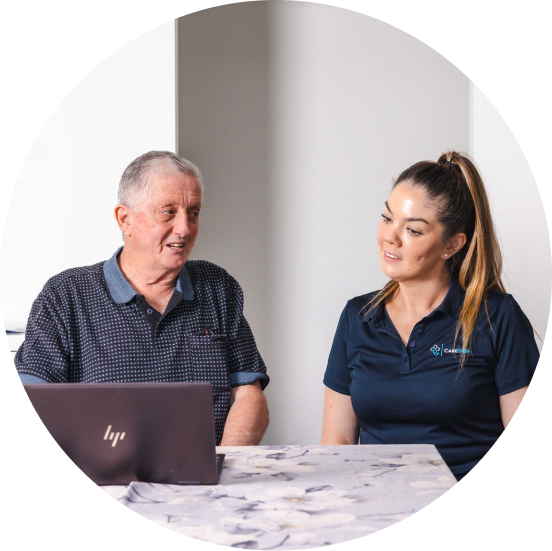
[120,432]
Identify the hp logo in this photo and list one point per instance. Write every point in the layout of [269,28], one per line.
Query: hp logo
[113,436]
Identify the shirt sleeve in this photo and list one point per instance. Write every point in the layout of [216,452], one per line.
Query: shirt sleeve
[515,350]
[45,350]
[338,375]
[245,364]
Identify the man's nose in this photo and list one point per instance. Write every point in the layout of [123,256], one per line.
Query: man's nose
[181,225]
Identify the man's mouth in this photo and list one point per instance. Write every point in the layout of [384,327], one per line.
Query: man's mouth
[176,246]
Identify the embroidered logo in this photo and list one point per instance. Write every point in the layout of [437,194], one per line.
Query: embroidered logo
[440,350]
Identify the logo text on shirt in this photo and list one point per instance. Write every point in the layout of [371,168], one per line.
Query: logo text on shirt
[440,350]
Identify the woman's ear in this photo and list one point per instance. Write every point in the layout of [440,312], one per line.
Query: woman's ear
[454,245]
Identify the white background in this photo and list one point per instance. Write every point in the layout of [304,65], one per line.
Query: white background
[331,164]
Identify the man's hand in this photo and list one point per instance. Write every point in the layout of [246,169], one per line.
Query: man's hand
[248,416]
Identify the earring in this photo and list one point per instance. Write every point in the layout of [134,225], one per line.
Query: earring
[446,255]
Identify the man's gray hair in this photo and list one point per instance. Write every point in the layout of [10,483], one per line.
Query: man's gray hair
[133,187]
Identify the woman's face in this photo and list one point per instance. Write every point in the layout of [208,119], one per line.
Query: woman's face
[410,238]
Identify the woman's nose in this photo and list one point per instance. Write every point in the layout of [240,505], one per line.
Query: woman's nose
[392,235]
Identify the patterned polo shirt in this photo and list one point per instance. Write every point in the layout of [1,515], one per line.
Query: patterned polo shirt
[89,325]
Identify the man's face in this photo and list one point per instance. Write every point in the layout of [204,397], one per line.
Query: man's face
[164,226]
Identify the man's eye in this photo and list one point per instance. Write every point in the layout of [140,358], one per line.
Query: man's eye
[168,212]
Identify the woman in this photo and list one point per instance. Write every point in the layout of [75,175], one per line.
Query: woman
[441,355]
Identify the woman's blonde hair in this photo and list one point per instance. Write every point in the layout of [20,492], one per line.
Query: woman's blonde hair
[454,185]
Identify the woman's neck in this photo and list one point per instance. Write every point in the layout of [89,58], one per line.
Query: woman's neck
[420,298]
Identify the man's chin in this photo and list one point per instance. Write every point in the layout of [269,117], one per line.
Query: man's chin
[175,261]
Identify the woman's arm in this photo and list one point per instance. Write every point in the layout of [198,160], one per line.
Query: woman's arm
[509,404]
[340,425]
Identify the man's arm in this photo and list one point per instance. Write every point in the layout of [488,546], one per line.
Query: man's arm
[248,416]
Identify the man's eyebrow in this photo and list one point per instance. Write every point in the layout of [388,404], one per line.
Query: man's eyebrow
[408,219]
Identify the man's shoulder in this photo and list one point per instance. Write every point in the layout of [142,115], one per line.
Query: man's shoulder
[208,279]
[206,271]
[75,277]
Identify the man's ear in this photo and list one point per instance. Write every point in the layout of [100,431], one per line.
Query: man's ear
[123,215]
[455,244]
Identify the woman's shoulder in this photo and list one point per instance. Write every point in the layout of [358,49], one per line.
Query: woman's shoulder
[501,304]
[361,303]
[363,299]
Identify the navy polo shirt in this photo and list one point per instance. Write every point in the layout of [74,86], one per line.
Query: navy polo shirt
[89,325]
[416,394]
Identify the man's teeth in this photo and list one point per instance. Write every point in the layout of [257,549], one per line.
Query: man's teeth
[176,245]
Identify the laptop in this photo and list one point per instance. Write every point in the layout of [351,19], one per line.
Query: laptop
[120,432]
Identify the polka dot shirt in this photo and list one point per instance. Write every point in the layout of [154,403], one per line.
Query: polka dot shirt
[89,325]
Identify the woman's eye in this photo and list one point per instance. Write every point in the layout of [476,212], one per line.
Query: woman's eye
[386,219]
[413,232]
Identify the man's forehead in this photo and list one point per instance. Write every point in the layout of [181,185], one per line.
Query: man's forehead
[162,183]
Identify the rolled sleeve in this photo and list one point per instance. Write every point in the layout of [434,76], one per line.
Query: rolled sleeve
[245,378]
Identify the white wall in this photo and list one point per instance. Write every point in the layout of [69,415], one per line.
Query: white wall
[61,210]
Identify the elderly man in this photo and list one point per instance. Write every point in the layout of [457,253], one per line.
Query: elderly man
[148,314]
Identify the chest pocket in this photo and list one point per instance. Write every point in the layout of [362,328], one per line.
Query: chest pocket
[208,356]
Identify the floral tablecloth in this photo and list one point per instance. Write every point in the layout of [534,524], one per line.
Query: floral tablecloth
[296,497]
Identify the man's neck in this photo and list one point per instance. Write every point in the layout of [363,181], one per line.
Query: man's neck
[157,287]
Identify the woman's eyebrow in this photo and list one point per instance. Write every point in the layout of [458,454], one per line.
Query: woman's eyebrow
[387,207]
[416,220]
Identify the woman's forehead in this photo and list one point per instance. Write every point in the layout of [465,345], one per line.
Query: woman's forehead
[408,198]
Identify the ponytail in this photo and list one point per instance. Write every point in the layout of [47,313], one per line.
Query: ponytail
[481,267]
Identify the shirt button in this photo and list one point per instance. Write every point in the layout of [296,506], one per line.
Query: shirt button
[413,344]
[419,330]
[150,311]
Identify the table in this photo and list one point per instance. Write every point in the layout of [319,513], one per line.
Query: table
[296,497]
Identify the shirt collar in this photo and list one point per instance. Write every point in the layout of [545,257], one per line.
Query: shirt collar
[373,314]
[451,305]
[121,290]
[454,299]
